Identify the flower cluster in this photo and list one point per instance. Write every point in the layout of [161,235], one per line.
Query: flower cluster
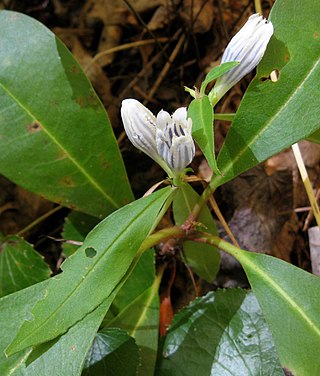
[166,139]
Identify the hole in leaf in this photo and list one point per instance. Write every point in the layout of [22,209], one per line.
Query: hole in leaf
[274,76]
[90,252]
[34,127]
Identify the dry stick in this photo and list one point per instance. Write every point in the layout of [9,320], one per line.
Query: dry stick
[223,24]
[133,83]
[310,214]
[144,70]
[122,47]
[38,220]
[165,69]
[140,19]
[218,213]
[140,75]
[193,281]
[216,209]
[258,7]
[7,206]
[306,182]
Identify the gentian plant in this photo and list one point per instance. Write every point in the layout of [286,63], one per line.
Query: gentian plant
[101,314]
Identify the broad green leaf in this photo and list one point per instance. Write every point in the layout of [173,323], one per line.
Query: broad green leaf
[139,280]
[15,308]
[275,115]
[113,352]
[223,333]
[93,273]
[217,72]
[315,137]
[202,258]
[140,318]
[289,299]
[201,113]
[76,227]
[20,265]
[55,136]
[66,355]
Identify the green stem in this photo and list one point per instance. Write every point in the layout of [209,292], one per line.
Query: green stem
[219,243]
[211,187]
[225,117]
[161,236]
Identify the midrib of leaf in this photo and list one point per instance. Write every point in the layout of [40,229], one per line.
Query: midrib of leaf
[9,269]
[20,266]
[229,166]
[209,136]
[185,196]
[90,179]
[89,270]
[270,282]
[154,289]
[233,341]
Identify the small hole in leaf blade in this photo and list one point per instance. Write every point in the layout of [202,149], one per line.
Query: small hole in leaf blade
[90,252]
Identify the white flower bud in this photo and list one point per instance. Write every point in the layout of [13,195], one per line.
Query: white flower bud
[166,139]
[247,47]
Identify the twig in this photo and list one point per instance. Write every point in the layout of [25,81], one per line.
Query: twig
[306,182]
[165,69]
[122,47]
[257,6]
[310,214]
[137,15]
[38,220]
[218,213]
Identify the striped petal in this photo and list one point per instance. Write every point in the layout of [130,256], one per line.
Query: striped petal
[248,47]
[173,139]
[140,126]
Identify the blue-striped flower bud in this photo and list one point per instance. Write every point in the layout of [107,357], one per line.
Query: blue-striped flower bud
[247,47]
[166,139]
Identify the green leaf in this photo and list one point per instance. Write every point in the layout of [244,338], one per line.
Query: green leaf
[66,355]
[20,265]
[76,227]
[140,318]
[15,308]
[109,346]
[275,115]
[139,280]
[56,139]
[87,281]
[223,333]
[289,299]
[315,137]
[201,113]
[202,258]
[217,72]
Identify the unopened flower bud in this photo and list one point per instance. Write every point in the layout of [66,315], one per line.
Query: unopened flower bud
[247,47]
